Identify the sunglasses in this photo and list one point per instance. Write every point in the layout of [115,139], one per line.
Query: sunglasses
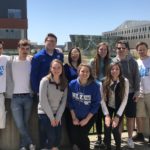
[121,48]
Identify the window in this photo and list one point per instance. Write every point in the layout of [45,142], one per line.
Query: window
[14,13]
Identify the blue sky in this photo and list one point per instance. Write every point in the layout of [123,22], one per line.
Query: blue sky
[65,17]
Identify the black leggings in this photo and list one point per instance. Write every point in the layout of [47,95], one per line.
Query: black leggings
[80,135]
[115,131]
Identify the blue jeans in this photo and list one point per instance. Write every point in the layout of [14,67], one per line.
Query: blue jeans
[21,106]
[49,136]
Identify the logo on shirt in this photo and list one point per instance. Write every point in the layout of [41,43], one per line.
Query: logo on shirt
[81,97]
[144,71]
[1,70]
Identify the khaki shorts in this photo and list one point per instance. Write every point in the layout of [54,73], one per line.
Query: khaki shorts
[143,106]
[2,112]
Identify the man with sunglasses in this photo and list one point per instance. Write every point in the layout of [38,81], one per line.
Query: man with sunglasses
[130,71]
[18,87]
[3,63]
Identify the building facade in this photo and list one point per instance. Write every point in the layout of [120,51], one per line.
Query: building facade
[13,23]
[132,31]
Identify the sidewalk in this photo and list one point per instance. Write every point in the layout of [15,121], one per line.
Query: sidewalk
[138,145]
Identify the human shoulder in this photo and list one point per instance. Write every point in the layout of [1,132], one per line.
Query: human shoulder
[73,82]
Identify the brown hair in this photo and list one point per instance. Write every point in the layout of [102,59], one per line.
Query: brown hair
[91,78]
[23,42]
[63,80]
[51,35]
[97,60]
[123,42]
[107,82]
[141,43]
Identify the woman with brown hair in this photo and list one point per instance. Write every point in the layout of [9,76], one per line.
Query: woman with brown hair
[99,66]
[114,100]
[52,102]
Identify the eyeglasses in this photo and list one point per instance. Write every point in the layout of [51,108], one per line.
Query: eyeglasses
[121,48]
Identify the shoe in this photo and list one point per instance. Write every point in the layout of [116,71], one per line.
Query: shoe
[32,147]
[97,144]
[23,148]
[130,143]
[138,137]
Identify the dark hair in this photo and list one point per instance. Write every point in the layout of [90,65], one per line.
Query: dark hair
[63,80]
[91,78]
[51,35]
[123,42]
[97,60]
[23,42]
[69,56]
[2,43]
[108,79]
[141,43]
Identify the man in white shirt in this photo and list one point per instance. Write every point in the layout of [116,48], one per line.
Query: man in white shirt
[3,62]
[21,103]
[143,104]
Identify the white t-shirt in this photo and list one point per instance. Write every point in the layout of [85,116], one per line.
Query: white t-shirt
[21,75]
[144,70]
[3,62]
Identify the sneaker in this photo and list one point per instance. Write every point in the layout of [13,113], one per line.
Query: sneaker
[32,147]
[23,148]
[130,143]
[97,144]
[138,137]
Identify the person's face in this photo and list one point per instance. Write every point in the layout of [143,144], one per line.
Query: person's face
[84,73]
[1,49]
[56,69]
[50,43]
[142,51]
[24,50]
[121,50]
[75,55]
[115,71]
[102,51]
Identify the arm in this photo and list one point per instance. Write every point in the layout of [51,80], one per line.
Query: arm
[136,77]
[96,98]
[34,76]
[124,101]
[43,99]
[62,106]
[75,120]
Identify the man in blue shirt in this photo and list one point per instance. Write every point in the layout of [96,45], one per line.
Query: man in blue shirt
[41,61]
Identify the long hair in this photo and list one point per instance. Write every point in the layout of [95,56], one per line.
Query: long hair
[63,80]
[97,60]
[91,78]
[108,80]
[69,56]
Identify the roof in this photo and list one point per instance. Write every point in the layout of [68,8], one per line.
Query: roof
[132,23]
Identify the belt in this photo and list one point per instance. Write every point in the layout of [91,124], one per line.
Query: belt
[21,94]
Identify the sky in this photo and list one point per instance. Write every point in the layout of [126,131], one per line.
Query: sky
[86,17]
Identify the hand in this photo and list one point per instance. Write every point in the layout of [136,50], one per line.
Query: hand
[53,123]
[75,121]
[107,121]
[83,122]
[135,98]
[57,122]
[115,122]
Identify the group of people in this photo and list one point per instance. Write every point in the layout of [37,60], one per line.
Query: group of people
[105,89]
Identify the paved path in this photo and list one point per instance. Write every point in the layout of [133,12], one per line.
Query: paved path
[138,145]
